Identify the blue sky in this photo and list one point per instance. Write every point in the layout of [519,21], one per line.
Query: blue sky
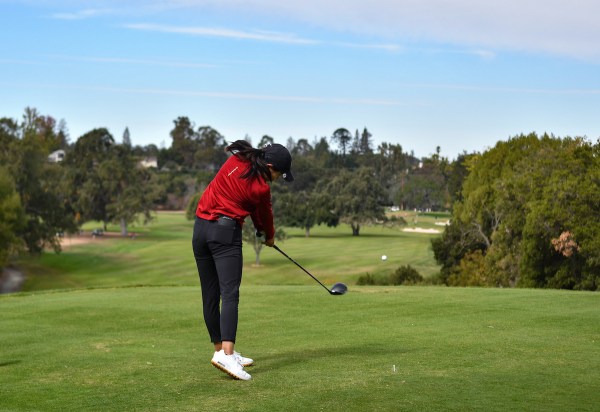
[459,74]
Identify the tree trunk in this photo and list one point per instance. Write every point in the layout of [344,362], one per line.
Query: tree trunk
[355,229]
[306,231]
[123,227]
[257,249]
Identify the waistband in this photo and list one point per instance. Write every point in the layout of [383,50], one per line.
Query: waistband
[227,221]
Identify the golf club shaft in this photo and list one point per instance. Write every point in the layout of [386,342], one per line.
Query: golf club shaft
[298,264]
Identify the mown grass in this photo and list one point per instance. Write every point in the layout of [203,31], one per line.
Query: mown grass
[110,344]
[375,348]
[161,254]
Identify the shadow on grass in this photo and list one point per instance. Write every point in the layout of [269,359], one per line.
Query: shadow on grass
[9,363]
[283,359]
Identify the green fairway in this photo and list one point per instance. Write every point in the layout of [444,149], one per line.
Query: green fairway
[375,348]
[115,324]
[161,254]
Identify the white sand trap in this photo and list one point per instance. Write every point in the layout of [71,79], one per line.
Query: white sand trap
[74,240]
[420,230]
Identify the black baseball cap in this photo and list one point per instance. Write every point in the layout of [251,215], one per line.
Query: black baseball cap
[281,159]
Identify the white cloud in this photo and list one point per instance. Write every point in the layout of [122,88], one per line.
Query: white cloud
[147,62]
[223,95]
[249,96]
[558,27]
[222,32]
[259,35]
[81,14]
[386,47]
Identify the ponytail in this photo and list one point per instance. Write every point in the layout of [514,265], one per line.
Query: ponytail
[256,157]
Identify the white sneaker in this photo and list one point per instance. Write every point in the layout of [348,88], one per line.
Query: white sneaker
[230,365]
[242,360]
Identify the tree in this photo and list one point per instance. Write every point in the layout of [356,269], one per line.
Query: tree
[321,154]
[131,190]
[192,206]
[342,137]
[126,138]
[38,183]
[457,173]
[44,130]
[301,209]
[354,197]
[527,217]
[12,218]
[108,184]
[302,148]
[391,168]
[9,136]
[183,147]
[249,236]
[265,140]
[365,142]
[356,144]
[90,193]
[210,149]
[425,188]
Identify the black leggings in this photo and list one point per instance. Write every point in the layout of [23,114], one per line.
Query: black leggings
[217,248]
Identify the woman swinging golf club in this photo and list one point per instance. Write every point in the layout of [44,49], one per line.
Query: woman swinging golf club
[239,189]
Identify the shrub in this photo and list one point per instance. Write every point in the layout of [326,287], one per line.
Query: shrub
[369,279]
[405,275]
[190,210]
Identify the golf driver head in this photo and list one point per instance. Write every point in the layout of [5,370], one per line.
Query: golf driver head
[338,289]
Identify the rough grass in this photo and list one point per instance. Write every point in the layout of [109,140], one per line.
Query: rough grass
[375,348]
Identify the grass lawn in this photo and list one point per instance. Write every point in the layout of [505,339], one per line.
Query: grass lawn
[161,254]
[375,348]
[115,324]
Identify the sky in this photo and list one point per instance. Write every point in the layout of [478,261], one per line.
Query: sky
[460,75]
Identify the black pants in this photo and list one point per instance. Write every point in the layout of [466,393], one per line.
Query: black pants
[217,248]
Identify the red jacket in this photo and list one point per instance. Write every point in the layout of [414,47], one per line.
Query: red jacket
[230,195]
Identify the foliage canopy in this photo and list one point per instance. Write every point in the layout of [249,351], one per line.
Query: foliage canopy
[528,217]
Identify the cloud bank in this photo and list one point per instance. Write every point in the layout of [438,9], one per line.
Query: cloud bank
[556,27]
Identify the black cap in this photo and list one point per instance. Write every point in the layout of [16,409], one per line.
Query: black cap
[281,159]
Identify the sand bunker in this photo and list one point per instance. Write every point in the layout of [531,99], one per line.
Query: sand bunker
[74,240]
[420,230]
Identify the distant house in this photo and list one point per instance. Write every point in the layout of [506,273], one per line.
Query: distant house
[56,156]
[147,162]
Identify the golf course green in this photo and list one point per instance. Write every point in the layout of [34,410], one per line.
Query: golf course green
[115,324]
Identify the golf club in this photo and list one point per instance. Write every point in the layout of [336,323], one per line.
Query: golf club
[337,289]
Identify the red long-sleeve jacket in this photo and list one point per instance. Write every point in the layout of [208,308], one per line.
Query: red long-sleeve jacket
[230,195]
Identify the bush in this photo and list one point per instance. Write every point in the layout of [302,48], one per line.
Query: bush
[369,279]
[406,275]
[190,210]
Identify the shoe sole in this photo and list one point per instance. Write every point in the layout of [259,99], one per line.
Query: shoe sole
[222,368]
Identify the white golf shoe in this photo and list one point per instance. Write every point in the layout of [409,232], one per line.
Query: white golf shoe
[230,365]
[242,360]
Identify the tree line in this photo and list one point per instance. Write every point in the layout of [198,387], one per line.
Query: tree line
[495,197]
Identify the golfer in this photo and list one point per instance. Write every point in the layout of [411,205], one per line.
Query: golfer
[240,188]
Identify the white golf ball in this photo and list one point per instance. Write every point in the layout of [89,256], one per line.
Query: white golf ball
[383,257]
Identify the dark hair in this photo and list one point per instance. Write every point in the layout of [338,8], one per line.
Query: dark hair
[258,165]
